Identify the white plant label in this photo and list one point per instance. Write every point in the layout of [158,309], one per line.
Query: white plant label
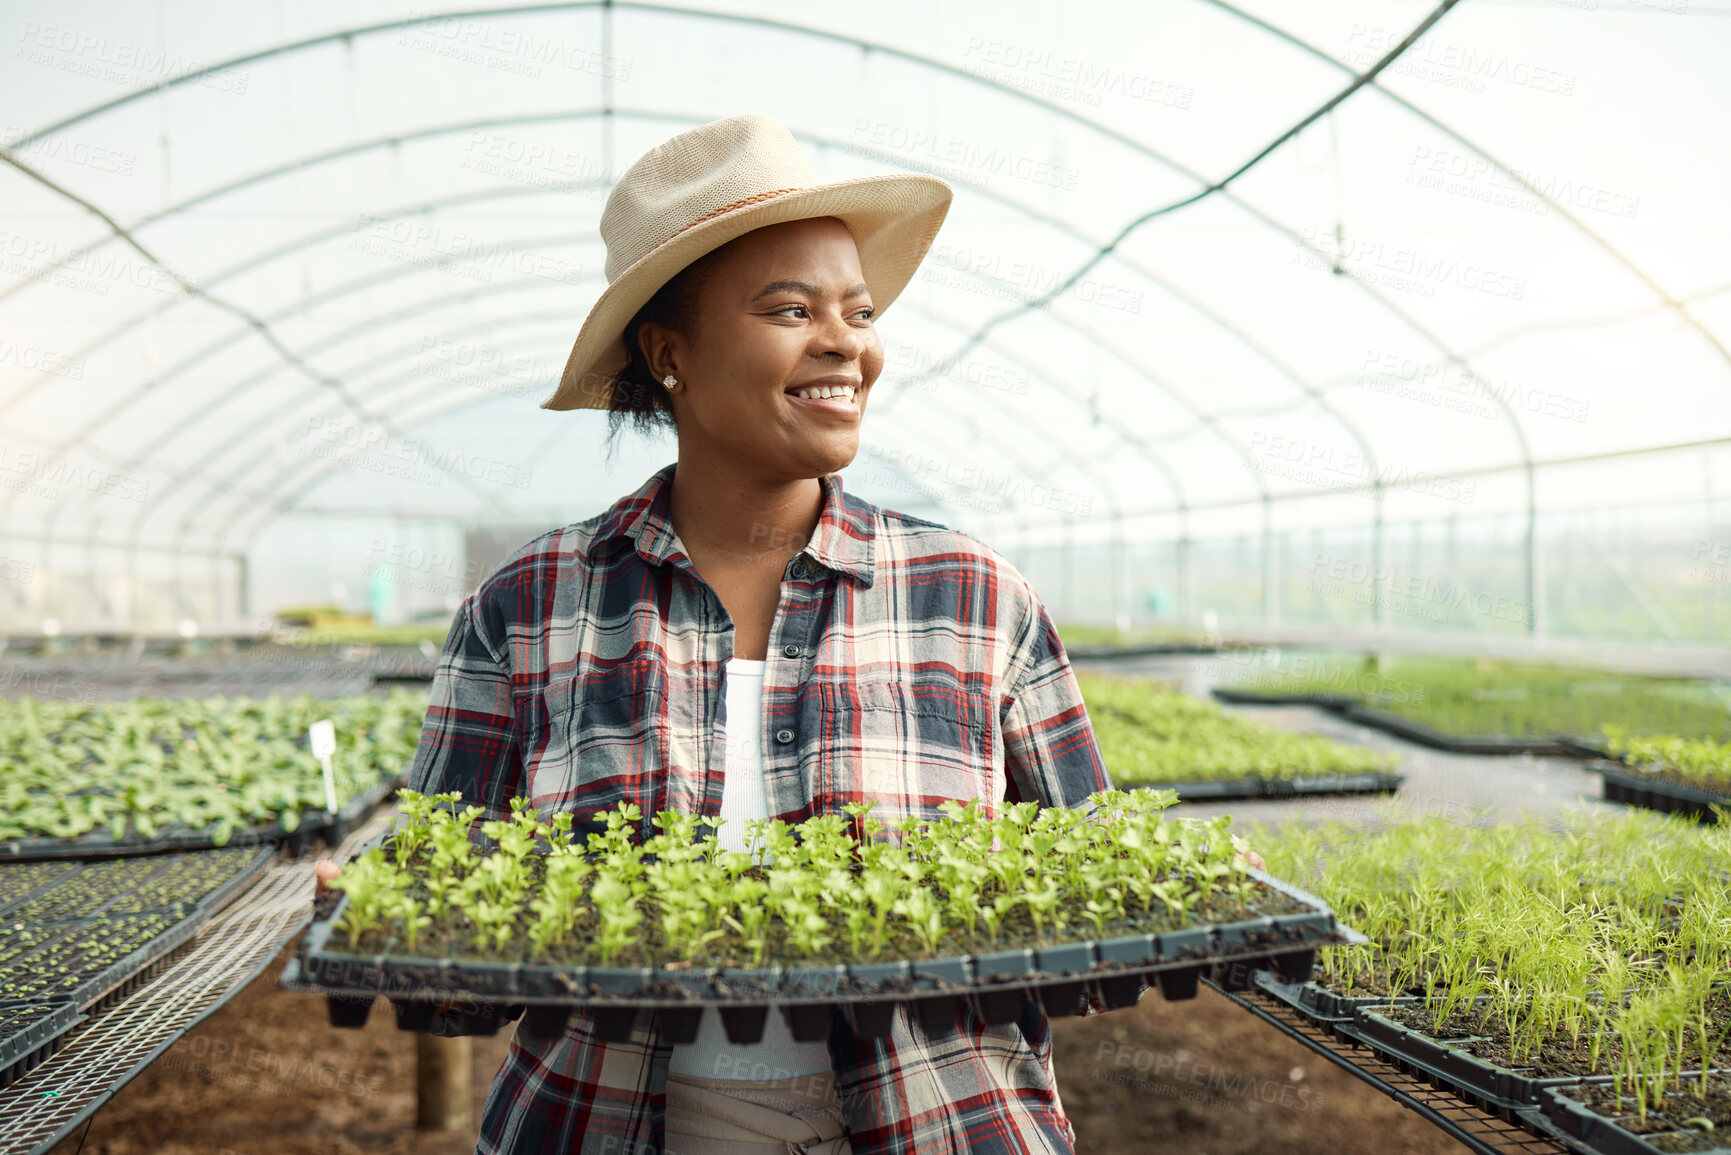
[323,735]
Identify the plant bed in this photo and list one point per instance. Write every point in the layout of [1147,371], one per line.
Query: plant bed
[150,776]
[1298,787]
[1654,790]
[1097,652]
[1690,1115]
[176,883]
[1667,773]
[841,911]
[1422,735]
[90,961]
[1240,696]
[1505,961]
[1154,737]
[1499,1090]
[1489,706]
[296,836]
[21,881]
[1322,1005]
[92,933]
[1400,727]
[30,1033]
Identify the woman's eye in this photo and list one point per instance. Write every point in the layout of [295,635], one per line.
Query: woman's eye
[867,313]
[789,309]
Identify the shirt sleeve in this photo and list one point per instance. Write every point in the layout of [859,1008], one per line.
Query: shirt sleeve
[1049,747]
[469,740]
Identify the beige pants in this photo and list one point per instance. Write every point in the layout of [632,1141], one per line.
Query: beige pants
[798,1116]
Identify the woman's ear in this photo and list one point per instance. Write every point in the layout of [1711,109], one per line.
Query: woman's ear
[657,343]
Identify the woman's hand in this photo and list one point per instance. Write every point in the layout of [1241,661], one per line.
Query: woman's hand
[1254,859]
[324,873]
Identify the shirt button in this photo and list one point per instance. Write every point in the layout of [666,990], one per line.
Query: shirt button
[790,650]
[784,736]
[798,568]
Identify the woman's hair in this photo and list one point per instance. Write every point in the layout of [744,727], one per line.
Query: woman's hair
[637,394]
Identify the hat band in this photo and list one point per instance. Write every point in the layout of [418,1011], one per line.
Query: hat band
[731,205]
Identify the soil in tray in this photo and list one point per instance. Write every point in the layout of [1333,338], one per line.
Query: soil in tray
[17,1020]
[1674,1125]
[45,962]
[132,885]
[1015,933]
[18,879]
[1488,1041]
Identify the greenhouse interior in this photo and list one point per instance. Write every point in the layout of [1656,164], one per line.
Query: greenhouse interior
[1259,678]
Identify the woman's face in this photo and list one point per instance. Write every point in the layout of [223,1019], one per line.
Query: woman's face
[780,312]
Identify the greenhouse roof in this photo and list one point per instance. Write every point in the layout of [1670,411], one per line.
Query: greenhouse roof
[1207,263]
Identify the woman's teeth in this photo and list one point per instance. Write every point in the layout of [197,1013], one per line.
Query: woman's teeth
[819,392]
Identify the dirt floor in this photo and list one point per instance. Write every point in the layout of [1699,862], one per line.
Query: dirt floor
[266,1075]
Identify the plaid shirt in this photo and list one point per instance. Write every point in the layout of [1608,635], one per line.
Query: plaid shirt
[908,664]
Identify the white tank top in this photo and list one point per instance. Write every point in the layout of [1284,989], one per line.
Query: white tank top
[744,796]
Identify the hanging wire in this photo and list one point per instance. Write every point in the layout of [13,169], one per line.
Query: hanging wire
[1359,81]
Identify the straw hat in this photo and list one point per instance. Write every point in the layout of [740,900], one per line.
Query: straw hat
[692,194]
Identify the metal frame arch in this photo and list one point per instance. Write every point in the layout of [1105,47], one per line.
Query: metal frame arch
[222,534]
[607,8]
[1078,457]
[276,253]
[1230,328]
[864,44]
[281,250]
[1135,365]
[1666,299]
[230,483]
[1233,330]
[183,477]
[396,139]
[347,36]
[265,374]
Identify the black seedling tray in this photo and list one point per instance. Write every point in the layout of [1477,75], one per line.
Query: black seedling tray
[1595,1132]
[22,881]
[1491,1088]
[1452,743]
[92,983]
[140,907]
[30,1033]
[1322,1005]
[1112,972]
[331,828]
[1296,787]
[1151,650]
[1633,787]
[193,881]
[1354,711]
[1576,748]
[1242,697]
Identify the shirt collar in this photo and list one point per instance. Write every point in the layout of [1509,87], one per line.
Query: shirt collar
[843,540]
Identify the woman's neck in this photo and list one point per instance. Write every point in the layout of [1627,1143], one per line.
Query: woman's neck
[724,515]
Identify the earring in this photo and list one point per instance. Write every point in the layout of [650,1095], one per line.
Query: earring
[671,382]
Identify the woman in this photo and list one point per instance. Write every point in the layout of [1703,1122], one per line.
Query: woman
[740,637]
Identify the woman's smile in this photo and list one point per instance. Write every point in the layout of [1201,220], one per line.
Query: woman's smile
[842,398]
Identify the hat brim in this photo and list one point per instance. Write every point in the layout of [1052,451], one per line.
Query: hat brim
[893,219]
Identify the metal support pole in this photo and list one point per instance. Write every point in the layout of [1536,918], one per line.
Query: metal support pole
[1120,574]
[442,1071]
[1186,611]
[1067,567]
[1535,559]
[1378,603]
[1270,568]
